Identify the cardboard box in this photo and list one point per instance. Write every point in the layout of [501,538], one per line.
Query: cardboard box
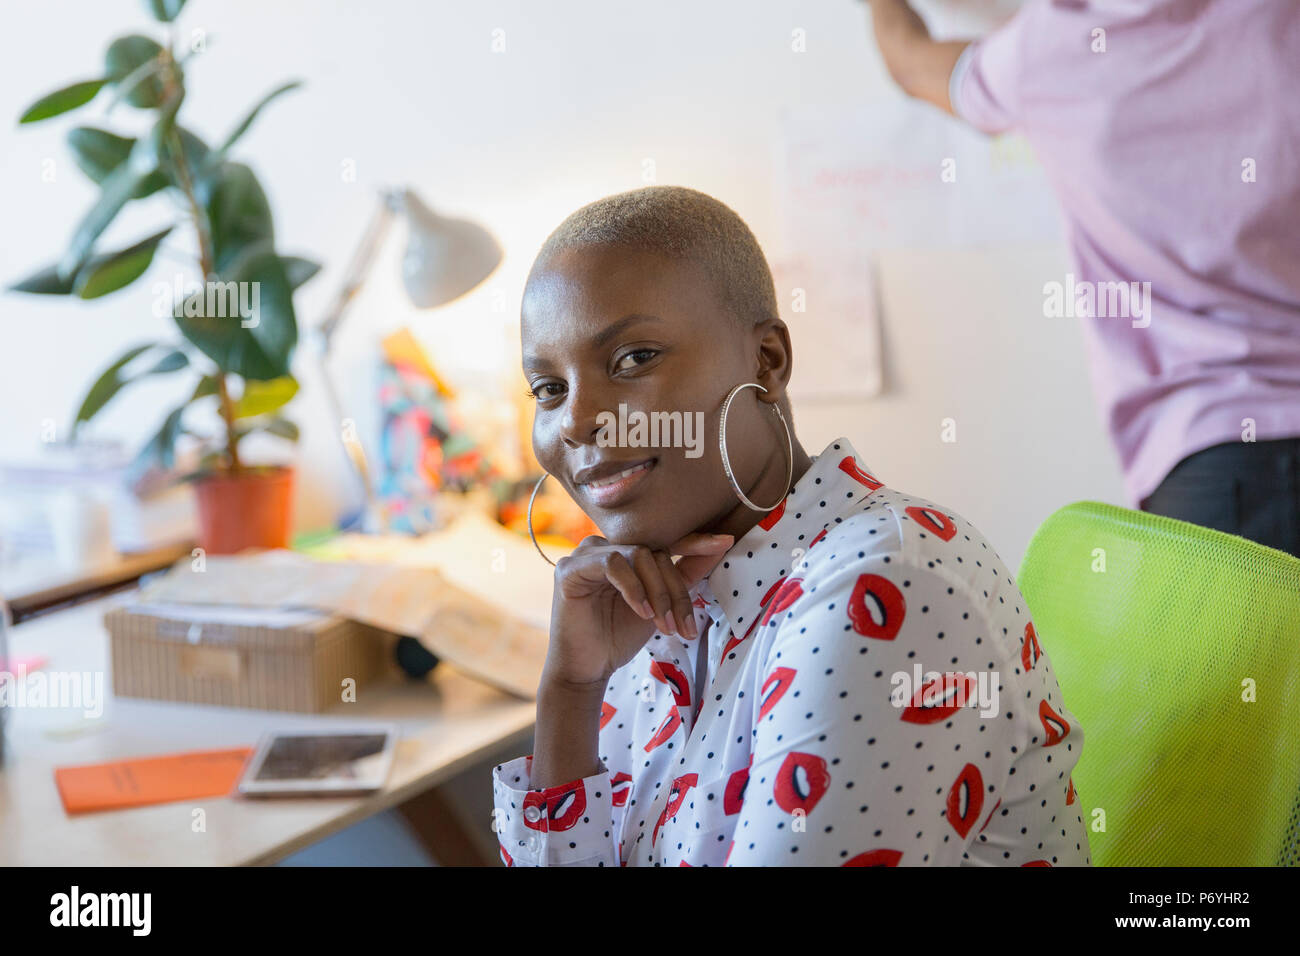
[294,660]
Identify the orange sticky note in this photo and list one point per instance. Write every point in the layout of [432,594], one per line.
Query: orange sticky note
[148,780]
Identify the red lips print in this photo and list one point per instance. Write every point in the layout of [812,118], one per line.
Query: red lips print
[762,604]
[506,858]
[774,688]
[733,797]
[965,800]
[620,785]
[820,534]
[1030,652]
[536,803]
[850,467]
[875,858]
[665,731]
[556,808]
[940,698]
[676,797]
[675,679]
[801,782]
[935,522]
[989,818]
[772,517]
[876,607]
[791,590]
[1055,725]
[734,640]
[1070,794]
[565,805]
[607,712]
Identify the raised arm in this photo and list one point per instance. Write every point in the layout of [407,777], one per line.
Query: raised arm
[919,64]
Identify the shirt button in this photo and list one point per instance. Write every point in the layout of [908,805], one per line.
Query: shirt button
[532,814]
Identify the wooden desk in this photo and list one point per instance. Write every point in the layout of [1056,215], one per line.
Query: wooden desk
[446,725]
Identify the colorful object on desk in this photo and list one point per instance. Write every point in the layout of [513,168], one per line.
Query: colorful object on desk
[143,781]
[424,448]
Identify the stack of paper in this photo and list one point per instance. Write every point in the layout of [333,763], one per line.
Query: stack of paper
[475,594]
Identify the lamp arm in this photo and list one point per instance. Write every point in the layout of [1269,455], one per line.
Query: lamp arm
[362,259]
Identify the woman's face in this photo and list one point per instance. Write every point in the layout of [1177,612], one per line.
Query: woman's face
[607,326]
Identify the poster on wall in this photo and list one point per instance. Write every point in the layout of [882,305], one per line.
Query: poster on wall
[854,179]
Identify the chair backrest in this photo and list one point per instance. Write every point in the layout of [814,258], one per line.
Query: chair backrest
[1178,649]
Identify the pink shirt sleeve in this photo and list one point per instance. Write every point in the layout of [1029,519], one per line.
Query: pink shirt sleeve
[985,86]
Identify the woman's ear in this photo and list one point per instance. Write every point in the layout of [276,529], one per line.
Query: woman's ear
[775,358]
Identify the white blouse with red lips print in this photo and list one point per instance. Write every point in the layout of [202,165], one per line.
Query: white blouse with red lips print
[874,694]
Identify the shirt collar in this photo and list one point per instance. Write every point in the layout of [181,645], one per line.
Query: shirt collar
[751,572]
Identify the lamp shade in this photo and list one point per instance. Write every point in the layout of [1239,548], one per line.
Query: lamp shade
[445,258]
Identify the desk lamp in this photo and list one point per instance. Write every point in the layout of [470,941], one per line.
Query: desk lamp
[444,259]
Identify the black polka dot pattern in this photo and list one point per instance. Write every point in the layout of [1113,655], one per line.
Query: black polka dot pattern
[868,690]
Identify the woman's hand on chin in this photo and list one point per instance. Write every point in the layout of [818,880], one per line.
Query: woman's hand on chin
[609,599]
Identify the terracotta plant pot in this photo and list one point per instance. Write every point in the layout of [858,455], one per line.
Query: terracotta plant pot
[248,510]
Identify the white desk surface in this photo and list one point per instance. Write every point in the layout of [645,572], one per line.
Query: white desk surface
[446,724]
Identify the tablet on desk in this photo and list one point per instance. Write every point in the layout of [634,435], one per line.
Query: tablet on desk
[303,763]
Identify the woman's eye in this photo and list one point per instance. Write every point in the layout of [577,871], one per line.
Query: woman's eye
[634,358]
[546,390]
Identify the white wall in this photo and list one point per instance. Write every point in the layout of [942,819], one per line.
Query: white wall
[410,92]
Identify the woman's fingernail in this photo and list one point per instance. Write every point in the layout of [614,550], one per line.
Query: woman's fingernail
[649,611]
[692,628]
[672,625]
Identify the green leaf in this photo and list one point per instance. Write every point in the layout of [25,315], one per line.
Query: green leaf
[173,361]
[45,282]
[48,281]
[195,150]
[299,270]
[254,346]
[117,189]
[128,54]
[106,386]
[164,11]
[282,427]
[237,210]
[262,397]
[219,154]
[207,386]
[114,377]
[162,447]
[105,274]
[60,101]
[98,152]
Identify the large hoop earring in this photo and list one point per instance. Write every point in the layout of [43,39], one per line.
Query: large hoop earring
[531,498]
[726,461]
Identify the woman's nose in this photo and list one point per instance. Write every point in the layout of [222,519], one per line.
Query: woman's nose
[581,423]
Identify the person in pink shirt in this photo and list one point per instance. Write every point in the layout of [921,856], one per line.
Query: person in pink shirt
[1170,130]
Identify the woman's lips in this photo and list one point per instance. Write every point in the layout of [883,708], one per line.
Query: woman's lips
[614,490]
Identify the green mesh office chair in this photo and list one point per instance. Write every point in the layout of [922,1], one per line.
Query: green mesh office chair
[1156,630]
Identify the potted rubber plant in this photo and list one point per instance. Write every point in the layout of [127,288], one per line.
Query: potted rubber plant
[235,320]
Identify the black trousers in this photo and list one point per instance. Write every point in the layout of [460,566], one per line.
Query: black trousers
[1251,489]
